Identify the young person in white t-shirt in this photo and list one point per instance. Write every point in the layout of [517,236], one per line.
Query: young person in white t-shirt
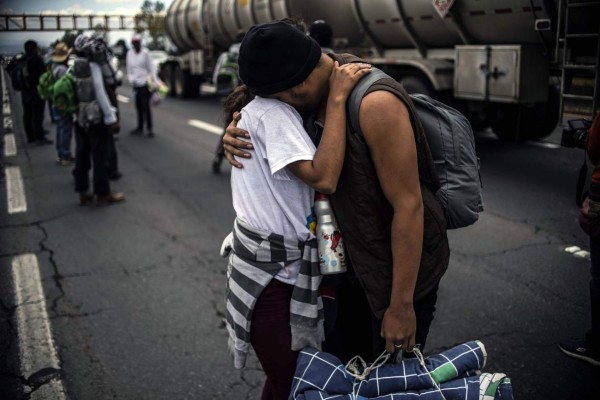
[274,192]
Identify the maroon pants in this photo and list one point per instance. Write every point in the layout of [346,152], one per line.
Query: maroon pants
[271,338]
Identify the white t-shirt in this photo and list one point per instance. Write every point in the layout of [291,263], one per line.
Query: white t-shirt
[139,66]
[265,193]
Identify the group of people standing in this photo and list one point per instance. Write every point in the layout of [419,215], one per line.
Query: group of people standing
[94,141]
[96,123]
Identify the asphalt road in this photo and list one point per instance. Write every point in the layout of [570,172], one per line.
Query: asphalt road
[134,291]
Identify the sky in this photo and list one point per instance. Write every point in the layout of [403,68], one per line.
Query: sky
[15,40]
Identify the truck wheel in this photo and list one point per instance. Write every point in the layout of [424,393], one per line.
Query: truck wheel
[185,84]
[531,124]
[536,122]
[415,84]
[504,122]
[170,79]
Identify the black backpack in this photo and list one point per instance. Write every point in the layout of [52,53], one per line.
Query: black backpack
[452,145]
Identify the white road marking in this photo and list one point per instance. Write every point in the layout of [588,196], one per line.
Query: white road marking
[205,126]
[36,345]
[53,390]
[545,145]
[8,123]
[578,252]
[15,192]
[123,99]
[10,147]
[5,99]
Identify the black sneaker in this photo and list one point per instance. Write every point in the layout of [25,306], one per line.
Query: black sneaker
[579,349]
[113,176]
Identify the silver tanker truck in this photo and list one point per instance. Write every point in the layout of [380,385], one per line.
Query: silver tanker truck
[515,65]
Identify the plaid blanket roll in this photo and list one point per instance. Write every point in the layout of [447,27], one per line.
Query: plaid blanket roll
[256,257]
[456,371]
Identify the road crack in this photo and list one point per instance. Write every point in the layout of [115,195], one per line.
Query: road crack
[56,276]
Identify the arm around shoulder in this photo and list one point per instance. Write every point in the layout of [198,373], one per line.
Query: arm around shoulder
[323,171]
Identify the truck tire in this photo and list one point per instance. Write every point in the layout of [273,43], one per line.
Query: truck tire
[417,84]
[170,79]
[185,84]
[536,121]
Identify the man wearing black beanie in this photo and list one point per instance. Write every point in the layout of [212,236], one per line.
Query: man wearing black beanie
[392,224]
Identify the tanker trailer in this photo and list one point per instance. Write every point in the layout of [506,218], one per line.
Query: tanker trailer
[201,30]
[513,65]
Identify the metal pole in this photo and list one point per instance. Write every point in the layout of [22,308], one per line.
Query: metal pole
[557,45]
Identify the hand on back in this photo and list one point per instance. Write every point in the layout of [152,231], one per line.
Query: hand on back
[344,77]
[232,145]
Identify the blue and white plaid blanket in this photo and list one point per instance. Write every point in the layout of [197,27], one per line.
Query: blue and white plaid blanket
[453,374]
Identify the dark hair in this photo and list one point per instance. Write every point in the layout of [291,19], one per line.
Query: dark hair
[30,46]
[236,100]
[321,31]
[296,21]
[239,36]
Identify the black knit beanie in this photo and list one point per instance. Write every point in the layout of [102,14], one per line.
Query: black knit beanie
[276,56]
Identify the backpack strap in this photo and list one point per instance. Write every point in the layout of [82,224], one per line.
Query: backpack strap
[357,94]
[427,173]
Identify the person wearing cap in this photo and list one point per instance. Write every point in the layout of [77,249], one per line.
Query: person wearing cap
[393,225]
[64,123]
[33,104]
[139,67]
[273,300]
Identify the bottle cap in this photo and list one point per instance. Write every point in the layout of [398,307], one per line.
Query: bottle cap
[320,196]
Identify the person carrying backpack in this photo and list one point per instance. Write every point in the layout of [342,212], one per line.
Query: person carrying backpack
[27,75]
[64,120]
[96,122]
[393,225]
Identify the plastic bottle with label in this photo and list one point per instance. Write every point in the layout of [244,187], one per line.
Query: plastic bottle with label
[332,256]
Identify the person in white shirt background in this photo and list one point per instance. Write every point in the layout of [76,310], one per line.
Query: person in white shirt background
[139,68]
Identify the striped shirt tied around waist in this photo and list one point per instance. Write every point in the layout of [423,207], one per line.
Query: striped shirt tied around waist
[256,257]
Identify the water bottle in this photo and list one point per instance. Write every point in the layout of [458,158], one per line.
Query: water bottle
[332,258]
